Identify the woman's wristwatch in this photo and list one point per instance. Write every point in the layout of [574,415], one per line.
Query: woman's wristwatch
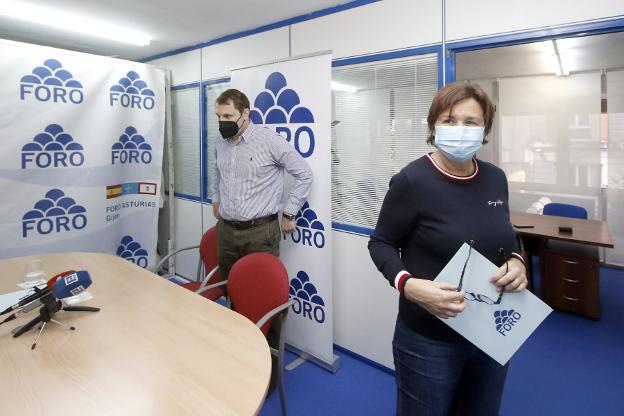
[288,216]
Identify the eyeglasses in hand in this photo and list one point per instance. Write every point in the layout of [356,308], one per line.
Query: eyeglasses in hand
[477,297]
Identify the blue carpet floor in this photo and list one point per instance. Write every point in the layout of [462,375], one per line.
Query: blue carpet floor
[569,366]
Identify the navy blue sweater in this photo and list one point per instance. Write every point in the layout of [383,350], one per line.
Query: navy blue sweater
[427,215]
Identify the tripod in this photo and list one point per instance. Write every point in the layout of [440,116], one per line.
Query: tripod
[51,305]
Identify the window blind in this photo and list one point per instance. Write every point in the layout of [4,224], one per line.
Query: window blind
[379,125]
[185,123]
[212,127]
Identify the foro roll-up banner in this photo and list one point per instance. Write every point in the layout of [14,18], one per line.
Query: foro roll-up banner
[293,98]
[81,155]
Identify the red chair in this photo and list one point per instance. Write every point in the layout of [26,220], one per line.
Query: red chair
[211,286]
[258,289]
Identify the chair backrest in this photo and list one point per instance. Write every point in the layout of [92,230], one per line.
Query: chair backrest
[209,254]
[565,210]
[257,284]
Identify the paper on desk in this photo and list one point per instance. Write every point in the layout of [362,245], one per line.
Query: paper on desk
[498,330]
[10,299]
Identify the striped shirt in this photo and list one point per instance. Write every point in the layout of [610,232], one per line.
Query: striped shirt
[248,178]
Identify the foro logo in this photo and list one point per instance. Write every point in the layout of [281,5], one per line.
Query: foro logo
[52,148]
[131,148]
[309,230]
[505,320]
[132,251]
[280,106]
[307,302]
[51,82]
[132,92]
[55,213]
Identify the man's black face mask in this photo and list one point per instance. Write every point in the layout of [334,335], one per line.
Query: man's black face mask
[229,129]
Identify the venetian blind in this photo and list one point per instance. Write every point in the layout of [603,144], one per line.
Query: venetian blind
[379,113]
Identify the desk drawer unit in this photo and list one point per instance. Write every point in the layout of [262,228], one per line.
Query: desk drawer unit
[570,281]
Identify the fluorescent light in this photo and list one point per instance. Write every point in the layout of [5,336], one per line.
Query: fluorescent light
[72,22]
[559,61]
[337,86]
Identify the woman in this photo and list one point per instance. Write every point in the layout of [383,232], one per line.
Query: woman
[434,205]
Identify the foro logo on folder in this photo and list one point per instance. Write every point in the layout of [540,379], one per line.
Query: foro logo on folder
[505,320]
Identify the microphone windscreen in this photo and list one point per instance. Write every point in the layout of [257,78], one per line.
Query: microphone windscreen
[54,278]
[72,284]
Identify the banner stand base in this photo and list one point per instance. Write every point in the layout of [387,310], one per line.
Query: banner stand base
[332,366]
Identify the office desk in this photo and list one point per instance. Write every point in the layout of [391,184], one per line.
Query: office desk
[570,274]
[154,349]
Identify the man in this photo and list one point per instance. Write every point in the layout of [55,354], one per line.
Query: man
[248,181]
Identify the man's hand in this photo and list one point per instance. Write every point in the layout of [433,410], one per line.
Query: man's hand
[288,226]
[439,299]
[215,210]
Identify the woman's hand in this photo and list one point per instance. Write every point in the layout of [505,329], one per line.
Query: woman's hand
[514,280]
[439,299]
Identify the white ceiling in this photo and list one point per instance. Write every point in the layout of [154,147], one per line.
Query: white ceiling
[588,53]
[171,24]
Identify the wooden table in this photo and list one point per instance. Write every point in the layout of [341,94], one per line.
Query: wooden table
[589,232]
[154,349]
[569,270]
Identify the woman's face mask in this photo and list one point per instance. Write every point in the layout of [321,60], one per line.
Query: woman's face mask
[459,143]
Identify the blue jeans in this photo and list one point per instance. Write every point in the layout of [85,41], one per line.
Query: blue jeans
[438,378]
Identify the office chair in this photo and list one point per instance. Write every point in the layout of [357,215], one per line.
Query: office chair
[258,289]
[211,286]
[565,210]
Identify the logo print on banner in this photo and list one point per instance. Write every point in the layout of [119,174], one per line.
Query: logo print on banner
[52,148]
[132,92]
[51,82]
[309,230]
[55,213]
[132,251]
[505,320]
[307,302]
[131,148]
[278,105]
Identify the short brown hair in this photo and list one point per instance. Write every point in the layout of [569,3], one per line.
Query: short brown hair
[453,93]
[237,98]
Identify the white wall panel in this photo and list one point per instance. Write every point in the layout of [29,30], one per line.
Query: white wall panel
[469,19]
[365,305]
[381,26]
[219,59]
[184,67]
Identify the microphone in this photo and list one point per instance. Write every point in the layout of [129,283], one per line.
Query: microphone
[28,299]
[71,284]
[22,310]
[38,293]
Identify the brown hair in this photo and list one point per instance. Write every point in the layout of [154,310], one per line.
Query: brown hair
[453,93]
[238,99]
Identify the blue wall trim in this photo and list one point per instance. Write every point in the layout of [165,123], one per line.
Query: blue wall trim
[535,35]
[364,359]
[265,28]
[353,229]
[185,86]
[216,81]
[386,55]
[187,197]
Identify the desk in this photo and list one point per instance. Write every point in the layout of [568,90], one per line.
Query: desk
[570,279]
[154,349]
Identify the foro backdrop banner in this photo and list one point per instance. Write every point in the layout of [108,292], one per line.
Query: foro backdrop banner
[293,98]
[81,154]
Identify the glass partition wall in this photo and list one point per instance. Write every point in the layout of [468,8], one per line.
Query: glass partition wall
[559,126]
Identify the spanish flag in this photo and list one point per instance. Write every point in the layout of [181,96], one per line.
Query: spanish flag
[113,191]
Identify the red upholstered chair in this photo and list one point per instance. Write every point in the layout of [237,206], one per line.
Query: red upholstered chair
[258,289]
[211,285]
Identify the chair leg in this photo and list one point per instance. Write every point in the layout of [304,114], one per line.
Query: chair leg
[280,363]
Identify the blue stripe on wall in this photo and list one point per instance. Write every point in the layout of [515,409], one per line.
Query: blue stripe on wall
[265,28]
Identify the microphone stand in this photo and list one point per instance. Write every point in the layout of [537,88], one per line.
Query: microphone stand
[51,305]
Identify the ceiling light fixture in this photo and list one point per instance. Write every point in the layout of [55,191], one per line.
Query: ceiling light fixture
[559,61]
[71,22]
